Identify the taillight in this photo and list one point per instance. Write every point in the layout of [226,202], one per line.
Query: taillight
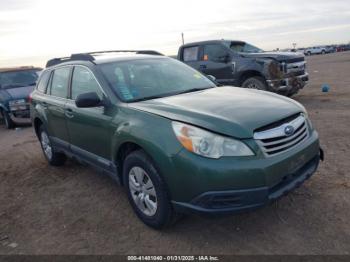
[30,98]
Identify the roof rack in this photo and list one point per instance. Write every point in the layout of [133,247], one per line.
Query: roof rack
[89,56]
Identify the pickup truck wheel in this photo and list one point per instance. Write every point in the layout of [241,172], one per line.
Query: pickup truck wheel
[146,191]
[8,121]
[256,82]
[54,158]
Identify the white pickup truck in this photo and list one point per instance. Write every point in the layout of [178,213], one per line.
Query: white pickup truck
[315,50]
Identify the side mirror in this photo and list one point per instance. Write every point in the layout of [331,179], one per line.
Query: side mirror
[211,78]
[86,100]
[225,58]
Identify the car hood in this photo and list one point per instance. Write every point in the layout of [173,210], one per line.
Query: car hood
[279,56]
[18,92]
[231,111]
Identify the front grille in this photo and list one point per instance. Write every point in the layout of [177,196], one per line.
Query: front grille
[277,140]
[296,68]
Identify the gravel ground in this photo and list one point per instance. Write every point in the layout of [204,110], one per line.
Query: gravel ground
[74,210]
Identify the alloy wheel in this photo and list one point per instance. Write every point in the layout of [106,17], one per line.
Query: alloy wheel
[142,191]
[45,143]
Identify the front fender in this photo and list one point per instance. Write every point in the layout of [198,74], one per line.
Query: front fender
[154,134]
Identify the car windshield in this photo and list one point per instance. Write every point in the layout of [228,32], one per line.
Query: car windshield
[242,47]
[144,79]
[13,79]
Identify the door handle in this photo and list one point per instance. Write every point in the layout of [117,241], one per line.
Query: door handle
[69,113]
[202,67]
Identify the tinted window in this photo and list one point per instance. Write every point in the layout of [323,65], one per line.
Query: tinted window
[43,81]
[190,53]
[83,81]
[20,78]
[157,77]
[59,82]
[242,47]
[216,53]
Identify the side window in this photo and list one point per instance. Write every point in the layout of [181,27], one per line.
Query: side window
[83,81]
[215,53]
[42,84]
[59,82]
[190,53]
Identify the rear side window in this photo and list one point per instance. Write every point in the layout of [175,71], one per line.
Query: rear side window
[190,53]
[83,81]
[43,82]
[59,82]
[215,53]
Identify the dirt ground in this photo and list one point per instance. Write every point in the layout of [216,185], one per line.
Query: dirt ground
[74,210]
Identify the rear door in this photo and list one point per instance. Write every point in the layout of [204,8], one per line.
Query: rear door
[216,61]
[89,128]
[190,55]
[55,104]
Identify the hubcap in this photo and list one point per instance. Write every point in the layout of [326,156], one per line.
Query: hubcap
[142,191]
[253,86]
[45,143]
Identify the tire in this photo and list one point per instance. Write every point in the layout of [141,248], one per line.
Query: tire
[309,53]
[54,158]
[147,191]
[7,119]
[255,82]
[323,52]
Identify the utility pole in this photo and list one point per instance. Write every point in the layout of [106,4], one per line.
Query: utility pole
[183,40]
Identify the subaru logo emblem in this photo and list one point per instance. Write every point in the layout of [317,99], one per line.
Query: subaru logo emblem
[289,130]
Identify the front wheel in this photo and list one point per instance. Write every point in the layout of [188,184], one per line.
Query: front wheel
[146,191]
[256,82]
[54,158]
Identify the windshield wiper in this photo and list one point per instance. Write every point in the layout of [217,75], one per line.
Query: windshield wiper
[192,90]
[146,98]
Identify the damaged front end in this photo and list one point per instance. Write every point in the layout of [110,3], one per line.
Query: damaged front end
[286,77]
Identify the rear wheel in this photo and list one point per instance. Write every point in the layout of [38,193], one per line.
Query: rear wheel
[323,52]
[146,191]
[7,119]
[54,158]
[256,82]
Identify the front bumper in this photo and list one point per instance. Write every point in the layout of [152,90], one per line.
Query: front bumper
[231,185]
[236,201]
[20,116]
[288,84]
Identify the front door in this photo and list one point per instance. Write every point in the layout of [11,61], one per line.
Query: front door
[89,128]
[216,62]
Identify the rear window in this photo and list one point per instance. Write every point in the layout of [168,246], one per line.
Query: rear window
[20,78]
[190,53]
[59,82]
[43,82]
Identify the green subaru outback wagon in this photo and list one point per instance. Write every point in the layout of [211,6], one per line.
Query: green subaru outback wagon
[170,136]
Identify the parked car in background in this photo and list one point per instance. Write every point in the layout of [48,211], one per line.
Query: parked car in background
[176,141]
[241,64]
[330,49]
[316,50]
[342,48]
[15,86]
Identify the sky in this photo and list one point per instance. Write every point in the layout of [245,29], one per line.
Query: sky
[33,31]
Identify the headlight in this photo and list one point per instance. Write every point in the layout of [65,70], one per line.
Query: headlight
[208,144]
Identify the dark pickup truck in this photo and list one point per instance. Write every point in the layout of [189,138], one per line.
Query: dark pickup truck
[238,63]
[15,86]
